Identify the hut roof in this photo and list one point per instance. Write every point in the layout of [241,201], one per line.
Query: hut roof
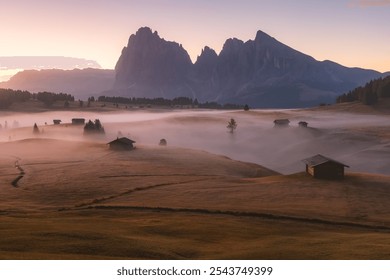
[122,140]
[320,159]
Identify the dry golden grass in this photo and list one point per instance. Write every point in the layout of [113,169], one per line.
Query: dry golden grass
[79,200]
[140,234]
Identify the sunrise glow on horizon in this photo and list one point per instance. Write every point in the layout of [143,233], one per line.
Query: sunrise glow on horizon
[353,33]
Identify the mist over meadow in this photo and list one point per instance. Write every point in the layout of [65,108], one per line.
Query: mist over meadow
[360,141]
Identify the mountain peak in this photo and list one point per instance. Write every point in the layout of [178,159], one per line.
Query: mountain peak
[205,63]
[232,45]
[147,32]
[143,35]
[207,51]
[261,36]
[144,29]
[151,60]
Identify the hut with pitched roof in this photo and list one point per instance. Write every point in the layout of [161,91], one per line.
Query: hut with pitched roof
[322,167]
[122,143]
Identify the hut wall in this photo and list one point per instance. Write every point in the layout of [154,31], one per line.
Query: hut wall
[310,170]
[78,121]
[328,170]
[120,146]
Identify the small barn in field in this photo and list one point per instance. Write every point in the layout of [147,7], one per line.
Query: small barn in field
[303,124]
[78,121]
[322,167]
[122,143]
[281,122]
[57,121]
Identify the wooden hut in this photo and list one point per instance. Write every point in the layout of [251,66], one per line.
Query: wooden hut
[281,122]
[322,167]
[122,143]
[303,124]
[57,121]
[78,121]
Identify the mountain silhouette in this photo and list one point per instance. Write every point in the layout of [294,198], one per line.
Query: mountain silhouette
[262,72]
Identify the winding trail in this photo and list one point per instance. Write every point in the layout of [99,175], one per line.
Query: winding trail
[138,189]
[21,174]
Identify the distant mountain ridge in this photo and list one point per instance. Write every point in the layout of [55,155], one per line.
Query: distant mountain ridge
[81,83]
[11,65]
[46,62]
[262,72]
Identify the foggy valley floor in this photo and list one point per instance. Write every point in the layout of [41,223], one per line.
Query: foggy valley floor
[209,194]
[361,140]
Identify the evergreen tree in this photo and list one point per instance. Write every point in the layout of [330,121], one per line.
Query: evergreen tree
[93,127]
[369,94]
[35,129]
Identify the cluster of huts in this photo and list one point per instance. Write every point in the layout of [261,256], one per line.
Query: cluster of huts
[318,166]
[118,144]
[286,123]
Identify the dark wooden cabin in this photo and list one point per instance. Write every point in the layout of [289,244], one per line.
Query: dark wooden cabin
[322,167]
[122,143]
[303,124]
[57,121]
[78,121]
[281,122]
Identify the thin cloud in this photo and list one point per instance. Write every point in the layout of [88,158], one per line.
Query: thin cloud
[369,3]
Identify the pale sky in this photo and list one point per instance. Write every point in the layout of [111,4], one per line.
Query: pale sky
[351,32]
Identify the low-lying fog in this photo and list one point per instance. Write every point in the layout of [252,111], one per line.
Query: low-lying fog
[360,141]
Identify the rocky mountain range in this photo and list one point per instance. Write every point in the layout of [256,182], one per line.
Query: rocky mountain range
[262,72]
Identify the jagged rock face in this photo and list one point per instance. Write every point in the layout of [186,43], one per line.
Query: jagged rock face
[261,72]
[152,61]
[205,64]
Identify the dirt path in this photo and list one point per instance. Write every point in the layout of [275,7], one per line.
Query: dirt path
[21,174]
[102,199]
